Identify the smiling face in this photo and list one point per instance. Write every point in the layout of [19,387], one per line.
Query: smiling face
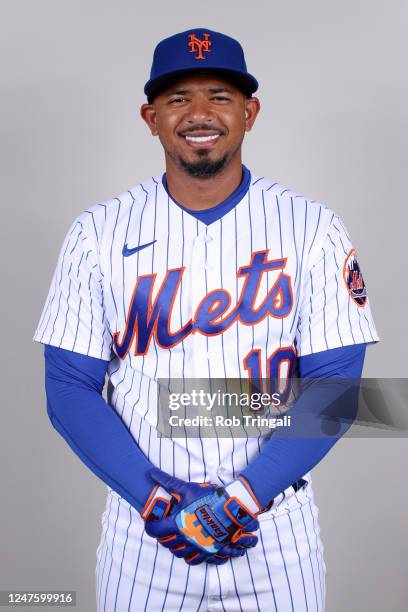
[201,120]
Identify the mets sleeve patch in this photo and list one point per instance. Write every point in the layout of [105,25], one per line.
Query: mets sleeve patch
[354,279]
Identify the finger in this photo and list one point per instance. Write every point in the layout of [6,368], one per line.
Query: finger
[218,560]
[247,540]
[183,550]
[196,558]
[173,541]
[252,526]
[170,483]
[179,553]
[232,551]
[160,529]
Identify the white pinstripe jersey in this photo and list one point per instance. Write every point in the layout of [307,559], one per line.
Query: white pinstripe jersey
[207,310]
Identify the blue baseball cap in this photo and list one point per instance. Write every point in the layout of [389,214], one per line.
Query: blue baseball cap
[199,49]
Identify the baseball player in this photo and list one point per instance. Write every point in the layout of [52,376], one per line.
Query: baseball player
[207,271]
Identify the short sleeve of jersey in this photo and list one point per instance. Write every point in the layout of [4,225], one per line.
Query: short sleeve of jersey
[334,310]
[73,317]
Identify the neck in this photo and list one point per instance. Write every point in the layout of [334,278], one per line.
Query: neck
[200,194]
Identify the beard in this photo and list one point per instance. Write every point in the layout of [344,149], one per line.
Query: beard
[205,167]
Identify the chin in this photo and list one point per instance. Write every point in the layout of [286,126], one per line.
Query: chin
[205,167]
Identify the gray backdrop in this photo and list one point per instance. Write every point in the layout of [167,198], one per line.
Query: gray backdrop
[333,125]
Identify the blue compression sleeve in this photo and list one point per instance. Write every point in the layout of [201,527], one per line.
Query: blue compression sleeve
[284,460]
[93,430]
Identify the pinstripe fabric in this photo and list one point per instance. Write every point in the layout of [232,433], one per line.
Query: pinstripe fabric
[89,301]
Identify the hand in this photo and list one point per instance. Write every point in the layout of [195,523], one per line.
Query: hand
[203,523]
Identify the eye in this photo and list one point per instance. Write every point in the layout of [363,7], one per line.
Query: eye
[178,100]
[221,98]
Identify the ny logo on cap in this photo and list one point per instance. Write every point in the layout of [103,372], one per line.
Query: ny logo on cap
[199,46]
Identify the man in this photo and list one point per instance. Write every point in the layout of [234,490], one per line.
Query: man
[205,272]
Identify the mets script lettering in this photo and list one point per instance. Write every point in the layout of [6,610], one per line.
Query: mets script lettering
[213,315]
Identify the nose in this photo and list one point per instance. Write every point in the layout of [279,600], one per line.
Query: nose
[199,111]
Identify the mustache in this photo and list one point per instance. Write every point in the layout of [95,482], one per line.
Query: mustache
[201,127]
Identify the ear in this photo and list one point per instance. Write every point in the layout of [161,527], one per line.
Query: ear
[252,108]
[149,115]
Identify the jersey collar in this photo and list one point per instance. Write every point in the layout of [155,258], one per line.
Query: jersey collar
[213,214]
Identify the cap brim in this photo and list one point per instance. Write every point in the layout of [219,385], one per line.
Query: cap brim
[245,82]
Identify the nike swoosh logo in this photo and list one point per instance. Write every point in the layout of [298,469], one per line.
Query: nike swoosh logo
[126,251]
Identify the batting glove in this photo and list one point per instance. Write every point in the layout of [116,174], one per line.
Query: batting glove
[205,524]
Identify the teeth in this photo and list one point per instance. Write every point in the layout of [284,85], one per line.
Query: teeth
[202,138]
